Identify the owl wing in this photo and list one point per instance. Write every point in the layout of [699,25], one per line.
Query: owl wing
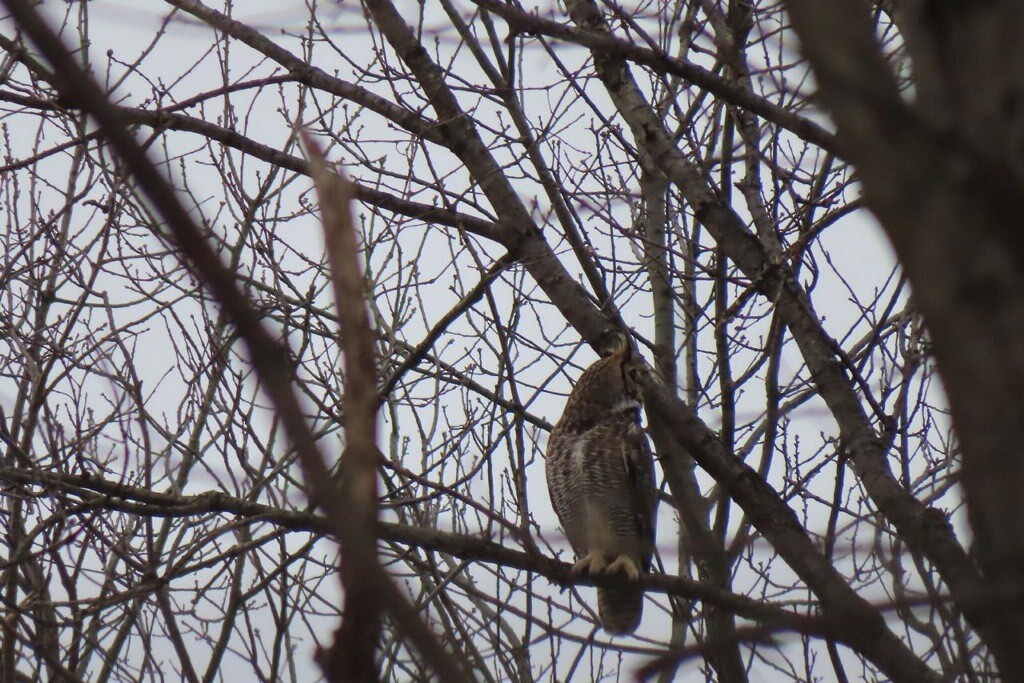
[640,487]
[618,479]
[565,485]
[606,470]
[621,483]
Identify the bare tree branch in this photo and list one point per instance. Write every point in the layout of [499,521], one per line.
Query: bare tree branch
[268,356]
[949,197]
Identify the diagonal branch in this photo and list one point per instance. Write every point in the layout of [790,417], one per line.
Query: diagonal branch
[308,74]
[944,178]
[351,657]
[269,357]
[659,62]
[910,516]
[162,119]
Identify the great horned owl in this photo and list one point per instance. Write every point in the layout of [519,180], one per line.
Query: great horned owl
[600,475]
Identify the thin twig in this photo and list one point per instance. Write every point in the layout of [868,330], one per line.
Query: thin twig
[269,357]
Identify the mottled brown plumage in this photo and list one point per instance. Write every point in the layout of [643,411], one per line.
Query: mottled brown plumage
[601,480]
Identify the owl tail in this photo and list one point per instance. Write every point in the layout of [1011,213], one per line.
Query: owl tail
[620,609]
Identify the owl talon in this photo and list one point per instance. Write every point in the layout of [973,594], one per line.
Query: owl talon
[625,565]
[592,564]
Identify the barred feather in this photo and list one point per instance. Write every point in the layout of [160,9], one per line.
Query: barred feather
[600,473]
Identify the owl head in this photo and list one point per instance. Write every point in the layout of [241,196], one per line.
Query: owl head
[606,386]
